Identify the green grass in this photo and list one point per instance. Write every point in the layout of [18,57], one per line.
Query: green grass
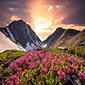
[6,58]
[10,54]
[76,51]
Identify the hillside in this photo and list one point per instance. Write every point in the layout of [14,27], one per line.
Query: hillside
[6,43]
[59,31]
[74,38]
[60,36]
[41,67]
[78,39]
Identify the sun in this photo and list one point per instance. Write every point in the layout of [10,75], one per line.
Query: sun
[41,24]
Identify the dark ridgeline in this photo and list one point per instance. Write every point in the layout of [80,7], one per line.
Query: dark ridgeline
[59,31]
[22,34]
[65,37]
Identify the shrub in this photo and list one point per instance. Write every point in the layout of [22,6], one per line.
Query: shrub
[43,67]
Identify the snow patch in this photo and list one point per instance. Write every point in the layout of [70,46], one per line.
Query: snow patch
[33,46]
[38,43]
[11,35]
[28,47]
[5,32]
[44,46]
[20,47]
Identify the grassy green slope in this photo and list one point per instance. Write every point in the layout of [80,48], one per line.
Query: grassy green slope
[70,41]
[6,58]
[78,39]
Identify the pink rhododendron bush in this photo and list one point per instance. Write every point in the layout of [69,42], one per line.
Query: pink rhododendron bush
[41,67]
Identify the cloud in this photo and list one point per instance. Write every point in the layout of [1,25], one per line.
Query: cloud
[50,8]
[77,18]
[14,9]
[14,18]
[66,13]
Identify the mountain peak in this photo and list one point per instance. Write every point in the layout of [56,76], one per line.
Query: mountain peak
[58,32]
[71,32]
[22,34]
[60,37]
[17,22]
[59,28]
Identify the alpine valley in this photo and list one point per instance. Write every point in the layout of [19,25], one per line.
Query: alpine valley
[26,60]
[19,35]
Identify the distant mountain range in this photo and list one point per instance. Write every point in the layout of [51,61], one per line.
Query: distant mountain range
[22,35]
[65,38]
[19,35]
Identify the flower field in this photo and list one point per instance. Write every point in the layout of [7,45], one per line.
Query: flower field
[42,67]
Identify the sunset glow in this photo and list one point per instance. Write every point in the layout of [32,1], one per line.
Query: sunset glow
[14,18]
[41,24]
[44,16]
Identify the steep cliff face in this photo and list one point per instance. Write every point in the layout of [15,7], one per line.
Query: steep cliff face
[59,31]
[22,34]
[67,35]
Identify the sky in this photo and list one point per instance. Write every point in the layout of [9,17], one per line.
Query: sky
[44,16]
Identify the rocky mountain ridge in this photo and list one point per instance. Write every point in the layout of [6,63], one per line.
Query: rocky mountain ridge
[22,34]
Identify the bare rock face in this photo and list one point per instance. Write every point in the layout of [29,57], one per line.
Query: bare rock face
[58,32]
[73,80]
[65,38]
[22,34]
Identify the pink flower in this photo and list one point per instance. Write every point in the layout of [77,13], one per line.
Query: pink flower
[38,62]
[29,53]
[3,83]
[43,70]
[15,78]
[48,54]
[67,70]
[72,65]
[14,67]
[81,62]
[41,55]
[44,60]
[56,64]
[80,75]
[51,68]
[25,71]
[31,64]
[61,73]
[19,61]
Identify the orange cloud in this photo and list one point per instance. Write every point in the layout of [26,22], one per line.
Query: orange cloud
[14,17]
[50,8]
[43,35]
[44,15]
